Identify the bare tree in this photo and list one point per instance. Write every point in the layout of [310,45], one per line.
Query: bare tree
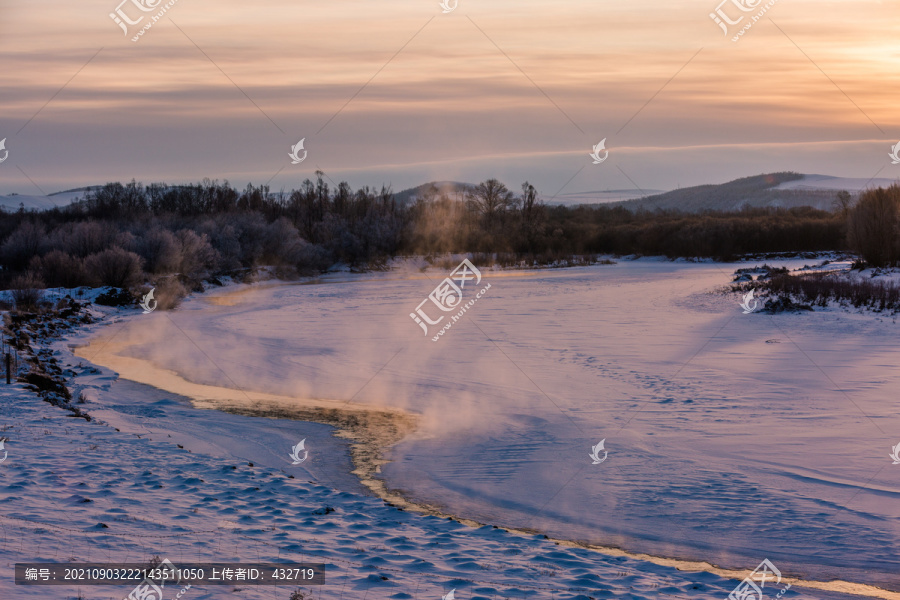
[532,213]
[843,202]
[490,200]
[873,226]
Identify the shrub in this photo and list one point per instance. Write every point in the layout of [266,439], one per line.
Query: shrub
[282,243]
[59,269]
[312,259]
[85,238]
[196,255]
[224,239]
[168,293]
[160,250]
[114,267]
[26,290]
[250,230]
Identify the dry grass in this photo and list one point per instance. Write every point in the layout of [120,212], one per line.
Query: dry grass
[821,288]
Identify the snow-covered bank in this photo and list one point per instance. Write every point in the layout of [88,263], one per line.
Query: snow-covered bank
[723,447]
[78,491]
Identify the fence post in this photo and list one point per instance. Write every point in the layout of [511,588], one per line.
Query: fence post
[8,361]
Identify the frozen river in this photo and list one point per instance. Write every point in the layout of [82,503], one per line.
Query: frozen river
[731,437]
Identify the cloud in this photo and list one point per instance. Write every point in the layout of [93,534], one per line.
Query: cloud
[408,92]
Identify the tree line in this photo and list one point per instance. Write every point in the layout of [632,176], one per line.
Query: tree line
[123,234]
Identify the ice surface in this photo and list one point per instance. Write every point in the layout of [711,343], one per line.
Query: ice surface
[731,437]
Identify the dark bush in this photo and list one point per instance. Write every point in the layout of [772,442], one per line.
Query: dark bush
[160,250]
[873,226]
[26,291]
[59,269]
[282,244]
[224,238]
[115,297]
[27,241]
[85,238]
[114,267]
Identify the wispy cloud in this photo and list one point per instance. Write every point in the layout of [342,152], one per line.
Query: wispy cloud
[450,105]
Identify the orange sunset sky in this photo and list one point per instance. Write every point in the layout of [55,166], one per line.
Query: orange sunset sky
[400,93]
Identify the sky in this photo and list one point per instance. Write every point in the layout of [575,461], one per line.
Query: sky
[400,92]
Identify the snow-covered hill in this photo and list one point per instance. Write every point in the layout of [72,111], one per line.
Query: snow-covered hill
[37,202]
[777,190]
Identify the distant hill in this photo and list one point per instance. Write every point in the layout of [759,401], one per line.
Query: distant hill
[734,195]
[784,190]
[13,202]
[451,189]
